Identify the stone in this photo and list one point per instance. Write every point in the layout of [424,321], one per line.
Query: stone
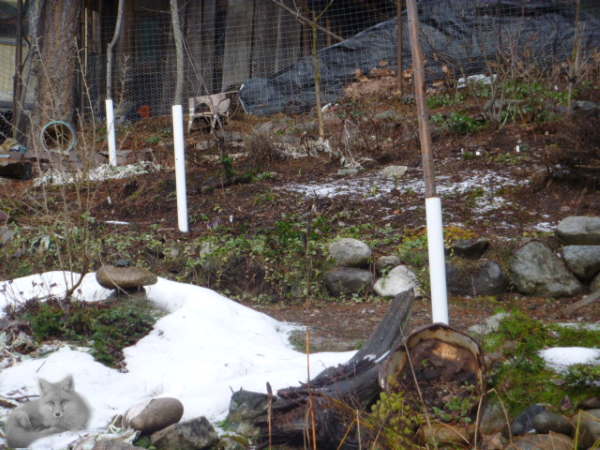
[478,278]
[583,260]
[348,280]
[244,408]
[394,172]
[195,434]
[348,252]
[154,415]
[579,230]
[590,403]
[524,421]
[589,426]
[587,106]
[233,443]
[536,270]
[385,262]
[552,441]
[491,325]
[547,421]
[470,248]
[112,277]
[348,171]
[23,343]
[114,444]
[6,235]
[493,419]
[442,434]
[389,114]
[397,280]
[595,284]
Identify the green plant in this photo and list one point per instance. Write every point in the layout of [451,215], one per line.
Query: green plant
[107,327]
[153,140]
[458,122]
[523,378]
[394,421]
[445,99]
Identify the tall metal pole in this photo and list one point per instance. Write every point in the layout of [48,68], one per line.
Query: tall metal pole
[433,205]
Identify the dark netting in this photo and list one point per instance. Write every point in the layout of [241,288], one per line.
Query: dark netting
[464,35]
[265,46]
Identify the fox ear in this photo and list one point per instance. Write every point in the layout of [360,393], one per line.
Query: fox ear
[44,386]
[67,383]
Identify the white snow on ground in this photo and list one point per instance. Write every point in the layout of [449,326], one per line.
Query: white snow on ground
[102,172]
[560,358]
[375,186]
[205,347]
[545,227]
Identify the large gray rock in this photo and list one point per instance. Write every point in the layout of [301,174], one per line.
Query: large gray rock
[579,230]
[6,234]
[348,252]
[195,434]
[387,262]
[397,280]
[348,280]
[112,277]
[554,441]
[536,270]
[470,248]
[493,419]
[394,172]
[477,278]
[547,421]
[583,260]
[154,415]
[244,408]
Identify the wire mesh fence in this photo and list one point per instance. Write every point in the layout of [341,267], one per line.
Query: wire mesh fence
[265,49]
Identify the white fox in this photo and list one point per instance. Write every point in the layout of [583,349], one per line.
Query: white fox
[58,409]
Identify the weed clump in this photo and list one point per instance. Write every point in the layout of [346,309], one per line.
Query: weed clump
[523,378]
[107,327]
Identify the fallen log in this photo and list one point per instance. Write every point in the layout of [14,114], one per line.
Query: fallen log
[322,409]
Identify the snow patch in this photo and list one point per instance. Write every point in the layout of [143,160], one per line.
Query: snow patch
[560,358]
[206,347]
[102,172]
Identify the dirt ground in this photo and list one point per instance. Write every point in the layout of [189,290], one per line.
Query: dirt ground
[525,198]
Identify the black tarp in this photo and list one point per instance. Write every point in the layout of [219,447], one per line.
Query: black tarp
[465,35]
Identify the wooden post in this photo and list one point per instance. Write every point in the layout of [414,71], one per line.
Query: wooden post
[423,114]
[433,206]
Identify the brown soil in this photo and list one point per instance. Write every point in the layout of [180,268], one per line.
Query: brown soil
[542,196]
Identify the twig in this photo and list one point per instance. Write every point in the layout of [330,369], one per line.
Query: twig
[585,301]
[307,21]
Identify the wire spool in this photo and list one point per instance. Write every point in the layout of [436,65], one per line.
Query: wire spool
[58,136]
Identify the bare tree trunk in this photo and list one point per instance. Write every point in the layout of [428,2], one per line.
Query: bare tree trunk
[178,36]
[56,64]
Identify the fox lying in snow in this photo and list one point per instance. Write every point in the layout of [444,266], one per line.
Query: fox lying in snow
[58,409]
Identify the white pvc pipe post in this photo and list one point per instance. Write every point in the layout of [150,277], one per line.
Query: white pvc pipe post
[182,215]
[110,130]
[437,264]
